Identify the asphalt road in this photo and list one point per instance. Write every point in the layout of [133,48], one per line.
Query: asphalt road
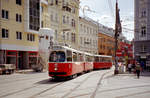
[95,84]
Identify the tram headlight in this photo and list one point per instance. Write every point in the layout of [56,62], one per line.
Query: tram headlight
[55,69]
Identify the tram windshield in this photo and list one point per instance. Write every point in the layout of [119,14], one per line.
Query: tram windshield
[57,56]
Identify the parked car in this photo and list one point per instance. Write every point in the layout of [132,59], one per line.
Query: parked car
[7,68]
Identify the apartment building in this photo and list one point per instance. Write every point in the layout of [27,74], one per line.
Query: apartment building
[62,16]
[106,44]
[88,35]
[106,41]
[19,25]
[142,31]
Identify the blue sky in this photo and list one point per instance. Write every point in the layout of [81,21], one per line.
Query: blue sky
[103,11]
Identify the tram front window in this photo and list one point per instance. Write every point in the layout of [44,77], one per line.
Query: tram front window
[57,56]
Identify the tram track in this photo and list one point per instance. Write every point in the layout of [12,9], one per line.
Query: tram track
[37,94]
[18,91]
[18,80]
[115,89]
[48,89]
[98,84]
[72,90]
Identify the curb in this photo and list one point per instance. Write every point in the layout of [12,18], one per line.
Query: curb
[24,71]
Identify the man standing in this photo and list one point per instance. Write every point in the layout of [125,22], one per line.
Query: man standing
[129,67]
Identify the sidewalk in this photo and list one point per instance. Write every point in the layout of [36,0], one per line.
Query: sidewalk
[125,86]
[24,71]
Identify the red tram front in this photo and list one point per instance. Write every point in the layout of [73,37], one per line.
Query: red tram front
[64,62]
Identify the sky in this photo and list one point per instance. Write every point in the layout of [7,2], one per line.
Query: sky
[103,11]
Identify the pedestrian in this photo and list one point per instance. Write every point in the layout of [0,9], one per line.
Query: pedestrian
[129,67]
[138,69]
[133,68]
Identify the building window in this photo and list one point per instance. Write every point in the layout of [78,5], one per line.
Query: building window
[42,24]
[30,37]
[81,40]
[18,18]
[4,33]
[4,14]
[67,19]
[64,21]
[143,48]
[56,17]
[19,35]
[34,13]
[52,16]
[73,23]
[56,35]
[143,31]
[73,10]
[143,13]
[56,2]
[18,2]
[73,37]
[68,36]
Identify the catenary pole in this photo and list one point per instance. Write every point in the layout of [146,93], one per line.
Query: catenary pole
[116,39]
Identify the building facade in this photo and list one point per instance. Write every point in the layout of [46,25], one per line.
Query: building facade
[63,17]
[142,31]
[88,35]
[105,44]
[106,41]
[19,25]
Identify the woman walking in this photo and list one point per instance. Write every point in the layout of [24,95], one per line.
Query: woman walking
[138,69]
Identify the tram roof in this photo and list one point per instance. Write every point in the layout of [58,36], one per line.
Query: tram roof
[68,48]
[103,56]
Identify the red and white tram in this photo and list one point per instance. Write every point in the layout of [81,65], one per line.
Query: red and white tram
[65,61]
[102,61]
[88,62]
[68,62]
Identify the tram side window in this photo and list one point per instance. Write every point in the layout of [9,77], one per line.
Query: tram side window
[90,58]
[102,59]
[96,59]
[69,56]
[109,59]
[86,58]
[80,57]
[74,57]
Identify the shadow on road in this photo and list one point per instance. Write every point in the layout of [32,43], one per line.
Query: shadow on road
[51,81]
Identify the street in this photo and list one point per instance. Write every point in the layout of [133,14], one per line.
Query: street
[95,84]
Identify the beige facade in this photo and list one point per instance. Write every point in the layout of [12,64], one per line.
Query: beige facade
[17,41]
[88,35]
[63,19]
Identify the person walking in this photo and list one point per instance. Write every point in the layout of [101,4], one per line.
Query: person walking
[138,69]
[129,67]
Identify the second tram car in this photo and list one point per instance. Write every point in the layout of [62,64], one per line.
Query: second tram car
[102,61]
